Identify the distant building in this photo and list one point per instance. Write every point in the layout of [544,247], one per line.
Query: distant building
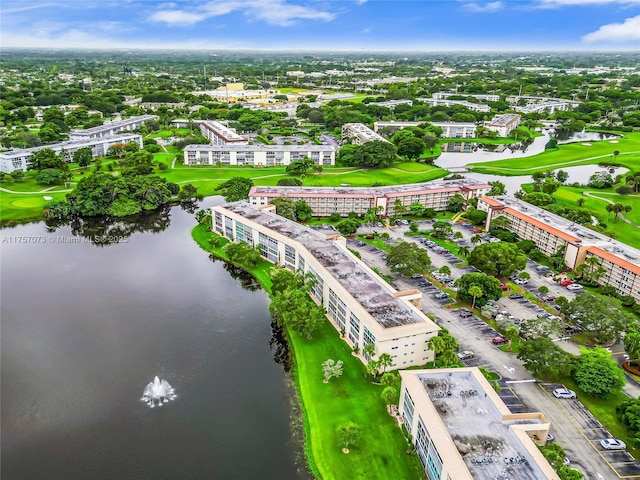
[485,97]
[552,233]
[440,102]
[234,92]
[503,124]
[343,200]
[219,134]
[19,159]
[359,134]
[156,105]
[392,103]
[549,107]
[357,301]
[257,154]
[462,430]
[112,128]
[449,129]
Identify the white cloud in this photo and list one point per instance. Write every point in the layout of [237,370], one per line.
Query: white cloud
[626,32]
[486,8]
[361,2]
[274,12]
[581,3]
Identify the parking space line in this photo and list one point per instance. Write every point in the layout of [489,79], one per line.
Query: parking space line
[581,430]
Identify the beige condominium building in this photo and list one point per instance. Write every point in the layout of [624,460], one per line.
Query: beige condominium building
[359,133]
[219,134]
[358,302]
[503,124]
[462,430]
[257,154]
[551,232]
[326,200]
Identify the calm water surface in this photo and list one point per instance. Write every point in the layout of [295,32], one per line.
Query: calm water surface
[85,328]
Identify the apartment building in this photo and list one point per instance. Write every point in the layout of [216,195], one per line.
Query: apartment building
[19,159]
[503,124]
[112,128]
[483,97]
[360,134]
[550,107]
[551,232]
[462,430]
[392,103]
[532,100]
[358,302]
[219,134]
[442,102]
[327,200]
[449,129]
[257,154]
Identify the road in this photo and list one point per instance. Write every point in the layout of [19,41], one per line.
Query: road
[572,425]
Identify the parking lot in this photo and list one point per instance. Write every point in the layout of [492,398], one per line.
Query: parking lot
[573,427]
[620,461]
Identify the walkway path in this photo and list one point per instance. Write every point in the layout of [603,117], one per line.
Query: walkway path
[46,190]
[624,219]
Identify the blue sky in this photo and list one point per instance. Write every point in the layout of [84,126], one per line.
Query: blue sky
[422,25]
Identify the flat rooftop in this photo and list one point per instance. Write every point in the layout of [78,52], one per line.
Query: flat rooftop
[223,131]
[375,295]
[109,126]
[436,185]
[504,119]
[474,419]
[586,235]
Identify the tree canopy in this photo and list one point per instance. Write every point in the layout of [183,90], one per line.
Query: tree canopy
[408,258]
[236,188]
[489,286]
[597,374]
[499,259]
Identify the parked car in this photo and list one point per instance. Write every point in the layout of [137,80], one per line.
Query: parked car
[613,444]
[417,275]
[425,283]
[441,295]
[477,230]
[500,340]
[564,393]
[565,283]
[542,268]
[515,296]
[548,298]
[464,313]
[521,281]
[504,287]
[574,287]
[465,355]
[550,438]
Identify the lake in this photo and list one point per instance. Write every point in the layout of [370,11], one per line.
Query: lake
[86,327]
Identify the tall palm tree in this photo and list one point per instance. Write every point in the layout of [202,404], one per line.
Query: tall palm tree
[463,251]
[475,239]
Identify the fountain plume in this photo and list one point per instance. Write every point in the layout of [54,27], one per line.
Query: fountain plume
[158,392]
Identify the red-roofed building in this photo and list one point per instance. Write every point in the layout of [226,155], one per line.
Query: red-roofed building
[621,274]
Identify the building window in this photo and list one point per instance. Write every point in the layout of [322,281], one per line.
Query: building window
[244,233]
[301,264]
[228,227]
[289,257]
[407,411]
[219,223]
[354,329]
[318,286]
[268,247]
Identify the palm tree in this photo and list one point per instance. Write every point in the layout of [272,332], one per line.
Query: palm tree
[475,291]
[598,273]
[385,360]
[437,344]
[477,238]
[609,209]
[580,201]
[463,251]
[369,350]
[511,333]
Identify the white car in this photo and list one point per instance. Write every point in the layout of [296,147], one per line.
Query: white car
[564,393]
[613,444]
[574,287]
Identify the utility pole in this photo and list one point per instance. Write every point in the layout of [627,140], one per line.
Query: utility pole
[204,73]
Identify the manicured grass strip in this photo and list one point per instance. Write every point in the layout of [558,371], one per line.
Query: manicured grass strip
[380,453]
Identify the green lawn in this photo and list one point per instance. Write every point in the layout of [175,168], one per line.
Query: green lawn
[569,155]
[622,231]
